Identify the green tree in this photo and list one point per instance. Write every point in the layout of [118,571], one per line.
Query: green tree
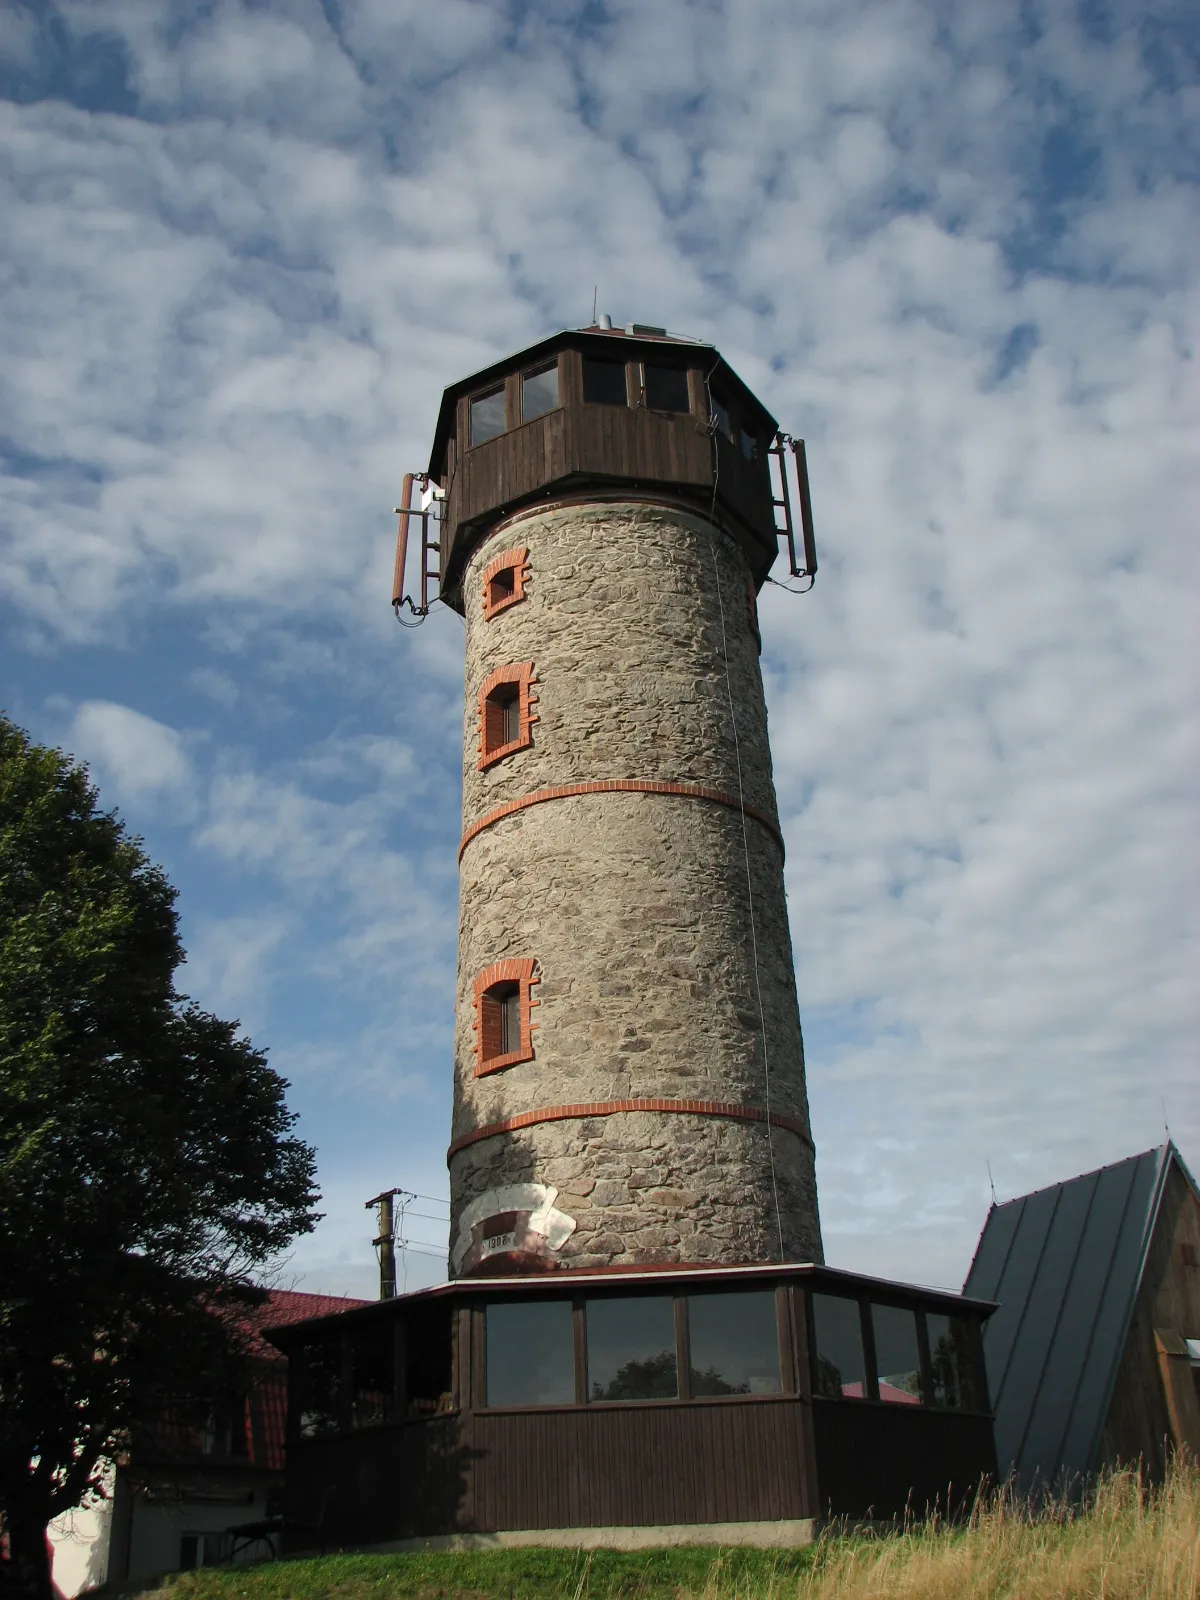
[147,1168]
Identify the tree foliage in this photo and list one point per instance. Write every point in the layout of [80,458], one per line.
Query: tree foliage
[147,1167]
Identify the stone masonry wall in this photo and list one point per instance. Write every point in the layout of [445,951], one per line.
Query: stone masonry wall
[635,906]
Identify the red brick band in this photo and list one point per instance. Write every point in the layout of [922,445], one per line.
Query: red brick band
[564,791]
[608,1108]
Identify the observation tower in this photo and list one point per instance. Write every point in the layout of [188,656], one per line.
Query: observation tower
[602,509]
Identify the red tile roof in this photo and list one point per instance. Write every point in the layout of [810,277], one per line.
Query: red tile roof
[284,1306]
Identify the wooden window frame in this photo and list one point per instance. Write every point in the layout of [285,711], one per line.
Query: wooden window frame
[500,388]
[643,391]
[520,674]
[632,381]
[554,365]
[514,562]
[523,972]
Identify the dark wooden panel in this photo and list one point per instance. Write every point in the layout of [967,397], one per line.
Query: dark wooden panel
[876,1460]
[638,1466]
[604,445]
[377,1484]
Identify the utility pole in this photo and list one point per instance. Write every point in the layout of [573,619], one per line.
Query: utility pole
[386,1242]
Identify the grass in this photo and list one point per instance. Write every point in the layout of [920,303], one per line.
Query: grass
[1130,1543]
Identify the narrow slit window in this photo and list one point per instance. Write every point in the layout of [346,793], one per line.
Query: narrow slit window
[503,1011]
[539,392]
[501,1020]
[487,416]
[505,713]
[604,383]
[667,389]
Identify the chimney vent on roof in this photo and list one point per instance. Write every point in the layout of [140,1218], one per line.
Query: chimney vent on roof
[605,320]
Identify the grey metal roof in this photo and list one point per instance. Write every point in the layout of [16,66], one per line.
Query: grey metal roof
[1065,1264]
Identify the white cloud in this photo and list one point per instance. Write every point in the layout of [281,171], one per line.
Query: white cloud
[230,324]
[137,755]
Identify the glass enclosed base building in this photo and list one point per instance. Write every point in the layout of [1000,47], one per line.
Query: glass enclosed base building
[610,1405]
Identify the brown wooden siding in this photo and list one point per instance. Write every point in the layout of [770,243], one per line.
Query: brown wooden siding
[602,445]
[637,1465]
[1139,1421]
[376,1485]
[878,1460]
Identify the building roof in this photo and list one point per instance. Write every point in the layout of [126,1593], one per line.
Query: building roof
[616,1278]
[283,1307]
[1065,1264]
[629,343]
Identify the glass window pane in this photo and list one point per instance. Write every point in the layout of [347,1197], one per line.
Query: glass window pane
[372,1353]
[735,1343]
[837,1341]
[530,1353]
[631,1349]
[950,1354]
[721,418]
[539,393]
[667,389]
[487,416]
[897,1364]
[749,446]
[604,382]
[316,1387]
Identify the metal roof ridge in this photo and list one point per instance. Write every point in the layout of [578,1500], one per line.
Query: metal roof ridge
[1140,1155]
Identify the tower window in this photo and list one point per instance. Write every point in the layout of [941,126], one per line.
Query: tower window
[487,416]
[503,1007]
[539,392]
[749,446]
[504,580]
[604,382]
[506,717]
[667,389]
[720,417]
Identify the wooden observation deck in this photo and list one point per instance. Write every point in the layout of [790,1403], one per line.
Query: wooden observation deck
[600,413]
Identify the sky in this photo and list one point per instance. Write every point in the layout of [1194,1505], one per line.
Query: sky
[954,246]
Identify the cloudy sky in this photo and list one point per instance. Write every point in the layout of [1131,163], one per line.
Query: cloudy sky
[245,246]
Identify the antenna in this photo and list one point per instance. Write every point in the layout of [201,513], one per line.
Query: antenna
[431,495]
[1166,1125]
[992,1183]
[595,301]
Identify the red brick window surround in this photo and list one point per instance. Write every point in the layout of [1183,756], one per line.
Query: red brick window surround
[504,580]
[506,714]
[503,1007]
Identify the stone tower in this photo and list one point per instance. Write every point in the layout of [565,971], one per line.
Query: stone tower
[629,1068]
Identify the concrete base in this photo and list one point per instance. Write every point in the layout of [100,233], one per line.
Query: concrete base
[786,1535]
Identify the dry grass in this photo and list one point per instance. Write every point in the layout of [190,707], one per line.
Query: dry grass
[1130,1543]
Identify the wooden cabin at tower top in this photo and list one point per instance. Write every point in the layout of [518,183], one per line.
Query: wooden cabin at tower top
[672,1396]
[595,412]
